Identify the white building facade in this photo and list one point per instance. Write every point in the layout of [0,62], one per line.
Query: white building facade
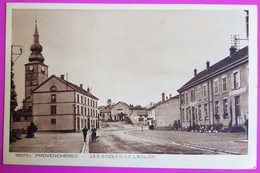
[59,105]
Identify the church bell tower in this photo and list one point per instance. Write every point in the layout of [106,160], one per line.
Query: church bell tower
[36,71]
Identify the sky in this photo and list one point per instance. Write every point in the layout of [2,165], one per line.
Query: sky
[126,55]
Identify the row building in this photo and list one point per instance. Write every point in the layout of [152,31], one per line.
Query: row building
[218,95]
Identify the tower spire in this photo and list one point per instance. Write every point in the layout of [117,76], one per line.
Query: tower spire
[36,48]
[36,34]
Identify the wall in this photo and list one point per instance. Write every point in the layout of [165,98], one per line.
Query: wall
[167,112]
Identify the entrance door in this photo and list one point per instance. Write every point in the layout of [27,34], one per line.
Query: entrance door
[237,109]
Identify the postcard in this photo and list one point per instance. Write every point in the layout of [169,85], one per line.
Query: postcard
[149,86]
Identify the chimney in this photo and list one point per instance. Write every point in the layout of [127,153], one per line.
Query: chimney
[163,97]
[81,85]
[62,76]
[232,50]
[170,96]
[166,97]
[109,102]
[195,72]
[207,64]
[88,90]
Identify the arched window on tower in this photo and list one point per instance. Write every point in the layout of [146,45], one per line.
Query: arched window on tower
[53,88]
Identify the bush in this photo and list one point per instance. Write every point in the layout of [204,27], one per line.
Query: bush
[151,127]
[31,130]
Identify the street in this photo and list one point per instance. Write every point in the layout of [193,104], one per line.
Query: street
[113,140]
[118,137]
[123,138]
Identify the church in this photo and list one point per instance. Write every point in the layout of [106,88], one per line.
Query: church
[54,103]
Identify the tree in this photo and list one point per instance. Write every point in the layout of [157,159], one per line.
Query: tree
[13,99]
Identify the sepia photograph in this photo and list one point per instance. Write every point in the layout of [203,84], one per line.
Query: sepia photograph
[131,85]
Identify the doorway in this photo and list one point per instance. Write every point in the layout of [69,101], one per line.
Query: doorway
[237,109]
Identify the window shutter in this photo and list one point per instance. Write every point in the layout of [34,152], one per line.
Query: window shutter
[232,81]
[238,80]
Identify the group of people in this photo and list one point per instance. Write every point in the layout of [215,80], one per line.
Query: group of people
[93,134]
[205,128]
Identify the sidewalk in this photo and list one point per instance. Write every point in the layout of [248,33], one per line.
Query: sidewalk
[50,142]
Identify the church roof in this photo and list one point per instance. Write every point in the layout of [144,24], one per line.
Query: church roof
[36,48]
[238,57]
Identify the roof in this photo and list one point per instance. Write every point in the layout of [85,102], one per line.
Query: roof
[73,86]
[161,102]
[106,109]
[141,112]
[81,90]
[240,56]
[119,103]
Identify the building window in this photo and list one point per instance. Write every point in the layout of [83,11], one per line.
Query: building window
[53,121]
[216,107]
[224,83]
[205,90]
[53,98]
[53,109]
[187,99]
[216,87]
[85,101]
[77,98]
[81,123]
[182,99]
[192,94]
[85,111]
[53,88]
[225,108]
[183,115]
[199,112]
[88,112]
[199,92]
[81,110]
[206,111]
[187,114]
[88,101]
[78,109]
[81,99]
[236,78]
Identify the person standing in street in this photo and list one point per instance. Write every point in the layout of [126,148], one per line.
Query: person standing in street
[85,131]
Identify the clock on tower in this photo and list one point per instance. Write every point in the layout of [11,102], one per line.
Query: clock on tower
[36,71]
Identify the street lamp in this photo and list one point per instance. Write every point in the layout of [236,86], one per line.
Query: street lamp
[16,50]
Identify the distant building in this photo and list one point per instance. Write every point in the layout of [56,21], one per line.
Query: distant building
[165,112]
[105,113]
[139,116]
[120,111]
[218,94]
